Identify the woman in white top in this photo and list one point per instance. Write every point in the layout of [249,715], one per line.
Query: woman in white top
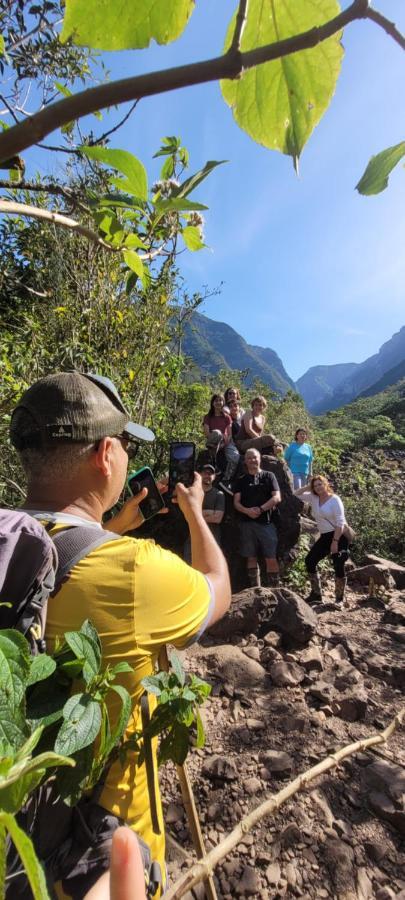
[328,512]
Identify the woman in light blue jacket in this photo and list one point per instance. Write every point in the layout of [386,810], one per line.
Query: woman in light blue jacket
[299,456]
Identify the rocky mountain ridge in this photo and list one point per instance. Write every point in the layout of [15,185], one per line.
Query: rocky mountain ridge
[212,345]
[215,345]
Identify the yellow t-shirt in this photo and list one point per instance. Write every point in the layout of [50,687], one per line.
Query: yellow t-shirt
[139,597]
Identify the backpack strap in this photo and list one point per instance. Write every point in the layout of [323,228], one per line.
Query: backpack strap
[76,542]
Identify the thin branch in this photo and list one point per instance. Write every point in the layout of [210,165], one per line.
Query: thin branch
[107,134]
[239,26]
[271,805]
[388,26]
[34,212]
[230,65]
[10,109]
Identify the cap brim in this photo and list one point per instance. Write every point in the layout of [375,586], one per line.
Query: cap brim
[139,432]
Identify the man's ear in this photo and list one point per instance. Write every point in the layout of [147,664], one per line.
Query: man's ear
[102,457]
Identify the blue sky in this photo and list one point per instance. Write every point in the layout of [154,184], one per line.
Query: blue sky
[308,266]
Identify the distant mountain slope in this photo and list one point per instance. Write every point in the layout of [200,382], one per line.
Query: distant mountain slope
[317,385]
[391,354]
[215,345]
[390,377]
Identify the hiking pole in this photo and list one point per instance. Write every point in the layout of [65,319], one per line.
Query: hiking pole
[189,802]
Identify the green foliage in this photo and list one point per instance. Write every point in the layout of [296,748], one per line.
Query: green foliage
[117,25]
[280,102]
[375,178]
[26,852]
[376,421]
[178,699]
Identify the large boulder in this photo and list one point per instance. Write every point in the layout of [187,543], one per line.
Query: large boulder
[247,610]
[379,573]
[397,571]
[292,617]
[395,611]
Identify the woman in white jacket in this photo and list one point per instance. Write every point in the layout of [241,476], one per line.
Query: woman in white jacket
[328,512]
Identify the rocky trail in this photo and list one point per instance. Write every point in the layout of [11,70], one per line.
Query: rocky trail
[290,687]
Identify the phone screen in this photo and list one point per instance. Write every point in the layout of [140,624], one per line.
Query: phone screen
[182,464]
[154,502]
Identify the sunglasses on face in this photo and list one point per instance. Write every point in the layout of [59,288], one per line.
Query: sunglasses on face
[130,445]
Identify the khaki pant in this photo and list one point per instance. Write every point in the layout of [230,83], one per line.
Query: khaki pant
[259,443]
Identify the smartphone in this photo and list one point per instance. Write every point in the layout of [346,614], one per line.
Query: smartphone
[182,464]
[154,502]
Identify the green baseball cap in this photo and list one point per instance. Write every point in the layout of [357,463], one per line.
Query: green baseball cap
[72,407]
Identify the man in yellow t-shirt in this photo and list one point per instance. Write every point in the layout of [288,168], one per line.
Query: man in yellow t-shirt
[74,437]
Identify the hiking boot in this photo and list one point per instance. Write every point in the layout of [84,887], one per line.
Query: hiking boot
[271,579]
[340,587]
[253,577]
[315,595]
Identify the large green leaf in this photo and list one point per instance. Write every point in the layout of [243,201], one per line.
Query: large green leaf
[86,649]
[24,777]
[28,857]
[82,724]
[136,180]
[42,666]
[192,238]
[279,103]
[194,180]
[125,24]
[14,667]
[375,177]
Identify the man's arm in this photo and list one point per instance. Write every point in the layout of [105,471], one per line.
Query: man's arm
[275,499]
[213,516]
[252,511]
[206,555]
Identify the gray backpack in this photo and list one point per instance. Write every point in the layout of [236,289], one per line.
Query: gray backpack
[32,566]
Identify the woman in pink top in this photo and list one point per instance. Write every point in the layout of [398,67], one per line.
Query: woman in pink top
[219,421]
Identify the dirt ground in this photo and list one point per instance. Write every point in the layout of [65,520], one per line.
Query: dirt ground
[277,708]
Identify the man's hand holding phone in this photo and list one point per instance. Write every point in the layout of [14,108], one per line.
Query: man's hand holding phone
[189,499]
[130,517]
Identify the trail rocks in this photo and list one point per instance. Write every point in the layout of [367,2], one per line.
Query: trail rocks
[397,571]
[245,614]
[283,673]
[277,762]
[395,611]
[293,617]
[219,769]
[379,573]
[232,665]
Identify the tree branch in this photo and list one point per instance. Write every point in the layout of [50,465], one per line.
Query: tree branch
[21,209]
[388,26]
[39,188]
[230,65]
[239,26]
[34,212]
[271,805]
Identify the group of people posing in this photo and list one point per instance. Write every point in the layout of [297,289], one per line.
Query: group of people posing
[236,438]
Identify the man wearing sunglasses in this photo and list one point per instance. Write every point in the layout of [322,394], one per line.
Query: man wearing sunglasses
[74,436]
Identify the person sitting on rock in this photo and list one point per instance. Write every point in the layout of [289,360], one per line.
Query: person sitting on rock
[257,494]
[329,514]
[236,413]
[231,395]
[299,456]
[252,429]
[218,420]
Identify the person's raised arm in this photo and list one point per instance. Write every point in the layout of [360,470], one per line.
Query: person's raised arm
[206,555]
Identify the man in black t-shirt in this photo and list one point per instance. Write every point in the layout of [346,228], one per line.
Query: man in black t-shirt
[256,495]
